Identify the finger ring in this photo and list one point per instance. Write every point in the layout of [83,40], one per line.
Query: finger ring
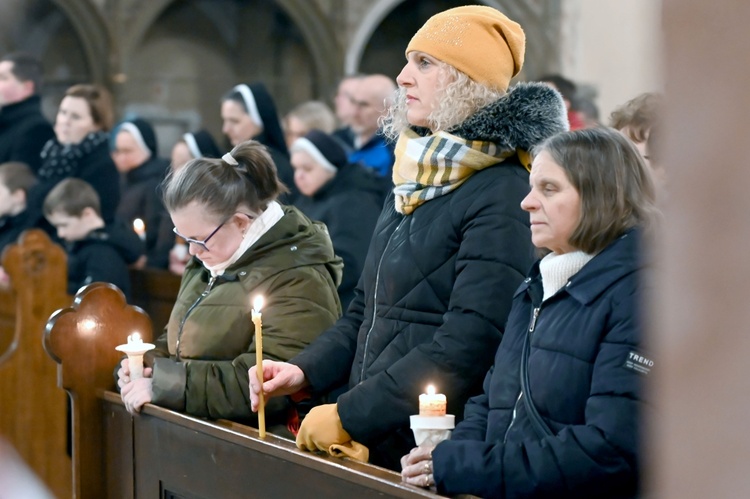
[426,481]
[427,469]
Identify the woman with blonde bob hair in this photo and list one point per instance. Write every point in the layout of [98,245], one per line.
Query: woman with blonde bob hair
[559,416]
[450,247]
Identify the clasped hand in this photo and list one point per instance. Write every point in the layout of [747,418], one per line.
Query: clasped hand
[135,393]
[416,467]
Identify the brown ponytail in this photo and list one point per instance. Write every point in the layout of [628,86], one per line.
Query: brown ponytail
[224,188]
[255,162]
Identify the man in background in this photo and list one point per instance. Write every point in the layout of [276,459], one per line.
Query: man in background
[344,109]
[371,98]
[23,128]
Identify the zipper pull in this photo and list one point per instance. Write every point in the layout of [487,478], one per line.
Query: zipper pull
[533,320]
[209,286]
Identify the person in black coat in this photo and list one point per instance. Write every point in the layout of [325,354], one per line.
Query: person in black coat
[80,150]
[23,128]
[560,412]
[249,112]
[141,170]
[450,247]
[97,252]
[16,179]
[346,197]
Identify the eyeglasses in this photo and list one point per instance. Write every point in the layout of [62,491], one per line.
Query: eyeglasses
[202,244]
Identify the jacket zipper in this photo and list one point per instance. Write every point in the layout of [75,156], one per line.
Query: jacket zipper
[189,310]
[532,325]
[375,300]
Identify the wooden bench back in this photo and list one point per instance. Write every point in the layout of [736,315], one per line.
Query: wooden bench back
[155,291]
[32,407]
[82,339]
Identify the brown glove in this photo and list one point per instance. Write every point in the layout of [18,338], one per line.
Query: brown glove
[321,430]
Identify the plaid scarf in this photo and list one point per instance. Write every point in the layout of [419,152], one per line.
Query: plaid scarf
[429,167]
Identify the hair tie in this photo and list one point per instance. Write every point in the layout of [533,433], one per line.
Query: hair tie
[229,159]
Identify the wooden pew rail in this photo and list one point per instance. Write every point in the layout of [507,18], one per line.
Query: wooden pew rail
[162,453]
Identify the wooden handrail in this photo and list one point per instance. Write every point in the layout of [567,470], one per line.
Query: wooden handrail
[193,457]
[161,452]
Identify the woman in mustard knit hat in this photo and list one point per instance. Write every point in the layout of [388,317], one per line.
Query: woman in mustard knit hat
[450,247]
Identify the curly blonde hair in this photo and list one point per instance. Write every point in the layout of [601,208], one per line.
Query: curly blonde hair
[459,98]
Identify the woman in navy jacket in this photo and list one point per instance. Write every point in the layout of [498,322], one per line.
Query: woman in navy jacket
[567,425]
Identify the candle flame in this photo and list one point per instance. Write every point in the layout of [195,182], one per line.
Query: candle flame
[258,303]
[430,390]
[134,338]
[138,226]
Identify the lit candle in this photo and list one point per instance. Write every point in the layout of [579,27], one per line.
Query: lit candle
[140,228]
[431,403]
[135,348]
[257,320]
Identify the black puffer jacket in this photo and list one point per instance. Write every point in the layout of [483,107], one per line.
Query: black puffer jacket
[349,205]
[436,288]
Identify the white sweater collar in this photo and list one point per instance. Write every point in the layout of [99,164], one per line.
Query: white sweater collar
[557,269]
[260,226]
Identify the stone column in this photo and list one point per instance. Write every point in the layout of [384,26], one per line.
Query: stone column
[700,440]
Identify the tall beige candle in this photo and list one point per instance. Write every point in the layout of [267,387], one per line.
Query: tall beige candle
[257,320]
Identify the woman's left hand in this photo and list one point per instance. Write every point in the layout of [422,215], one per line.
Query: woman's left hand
[416,467]
[137,393]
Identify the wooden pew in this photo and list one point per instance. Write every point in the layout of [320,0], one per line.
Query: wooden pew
[7,319]
[32,407]
[162,453]
[155,291]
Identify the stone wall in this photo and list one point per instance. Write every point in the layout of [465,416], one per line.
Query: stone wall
[171,61]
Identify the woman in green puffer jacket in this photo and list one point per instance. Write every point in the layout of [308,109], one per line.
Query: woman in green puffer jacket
[243,244]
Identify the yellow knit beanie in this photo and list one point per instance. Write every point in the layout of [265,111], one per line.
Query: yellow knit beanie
[477,40]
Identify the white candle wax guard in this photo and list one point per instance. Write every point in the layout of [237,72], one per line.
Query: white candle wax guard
[135,351]
[431,430]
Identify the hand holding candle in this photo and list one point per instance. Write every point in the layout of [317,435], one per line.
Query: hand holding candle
[257,320]
[135,348]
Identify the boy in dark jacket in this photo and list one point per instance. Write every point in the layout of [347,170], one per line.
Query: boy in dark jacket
[96,251]
[15,181]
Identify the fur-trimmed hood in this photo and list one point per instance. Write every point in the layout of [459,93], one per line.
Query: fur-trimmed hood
[521,119]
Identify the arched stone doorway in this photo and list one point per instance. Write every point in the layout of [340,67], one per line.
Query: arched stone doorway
[382,36]
[177,58]
[69,36]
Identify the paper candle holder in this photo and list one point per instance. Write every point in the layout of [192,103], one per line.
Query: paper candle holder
[135,349]
[431,430]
